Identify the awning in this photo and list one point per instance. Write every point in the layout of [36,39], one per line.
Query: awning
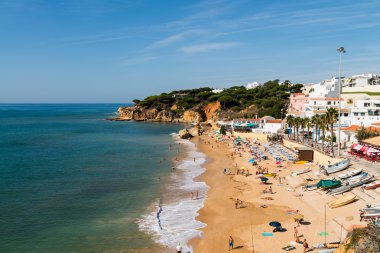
[372,150]
[357,147]
[353,145]
[364,149]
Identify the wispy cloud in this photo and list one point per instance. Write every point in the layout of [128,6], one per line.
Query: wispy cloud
[174,38]
[209,47]
[138,60]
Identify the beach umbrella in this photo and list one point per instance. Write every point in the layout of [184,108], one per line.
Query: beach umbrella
[264,179]
[275,224]
[251,161]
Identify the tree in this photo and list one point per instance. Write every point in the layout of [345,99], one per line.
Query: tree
[309,125]
[223,130]
[316,120]
[136,101]
[332,116]
[297,123]
[303,126]
[290,122]
[323,126]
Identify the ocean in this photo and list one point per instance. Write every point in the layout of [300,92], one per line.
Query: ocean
[72,181]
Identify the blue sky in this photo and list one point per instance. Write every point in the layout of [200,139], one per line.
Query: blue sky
[118,50]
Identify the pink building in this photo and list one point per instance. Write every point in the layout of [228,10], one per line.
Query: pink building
[297,102]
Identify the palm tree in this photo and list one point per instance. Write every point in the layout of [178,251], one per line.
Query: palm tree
[323,126]
[316,120]
[290,121]
[303,126]
[309,125]
[297,124]
[332,116]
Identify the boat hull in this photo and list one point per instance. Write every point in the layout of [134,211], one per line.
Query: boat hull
[342,201]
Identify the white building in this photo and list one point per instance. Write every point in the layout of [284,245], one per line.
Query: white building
[365,112]
[252,85]
[217,90]
[362,80]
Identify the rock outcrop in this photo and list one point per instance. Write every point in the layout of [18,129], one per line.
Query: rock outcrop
[189,133]
[139,113]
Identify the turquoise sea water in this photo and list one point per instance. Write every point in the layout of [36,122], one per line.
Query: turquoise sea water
[74,182]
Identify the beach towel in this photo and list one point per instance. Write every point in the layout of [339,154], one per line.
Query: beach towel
[289,248]
[267,234]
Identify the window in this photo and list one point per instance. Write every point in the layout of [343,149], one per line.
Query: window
[346,115]
[366,104]
[362,114]
[356,113]
[329,103]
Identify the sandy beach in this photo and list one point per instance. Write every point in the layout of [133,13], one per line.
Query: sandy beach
[247,223]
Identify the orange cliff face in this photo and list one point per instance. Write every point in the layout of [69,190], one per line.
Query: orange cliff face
[139,113]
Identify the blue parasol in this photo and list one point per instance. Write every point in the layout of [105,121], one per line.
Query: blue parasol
[251,161]
[275,224]
[264,179]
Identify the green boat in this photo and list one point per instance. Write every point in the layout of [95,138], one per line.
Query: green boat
[326,184]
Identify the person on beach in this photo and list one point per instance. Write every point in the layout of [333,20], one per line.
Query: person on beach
[295,233]
[236,203]
[178,248]
[194,159]
[197,195]
[305,246]
[192,195]
[230,243]
[270,190]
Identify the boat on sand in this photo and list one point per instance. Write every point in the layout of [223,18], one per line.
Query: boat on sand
[350,174]
[339,166]
[373,185]
[299,172]
[342,201]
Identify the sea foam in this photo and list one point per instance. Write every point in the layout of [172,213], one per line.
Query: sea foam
[175,221]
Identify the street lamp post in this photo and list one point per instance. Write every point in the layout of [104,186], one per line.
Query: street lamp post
[341,51]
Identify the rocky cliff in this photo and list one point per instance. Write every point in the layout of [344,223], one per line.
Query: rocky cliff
[139,113]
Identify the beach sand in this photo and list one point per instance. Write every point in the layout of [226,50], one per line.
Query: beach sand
[247,224]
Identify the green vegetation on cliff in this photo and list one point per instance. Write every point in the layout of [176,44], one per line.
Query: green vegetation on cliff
[271,98]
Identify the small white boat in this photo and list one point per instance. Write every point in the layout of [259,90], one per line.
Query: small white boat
[339,166]
[370,212]
[299,172]
[377,206]
[350,174]
[358,177]
[340,190]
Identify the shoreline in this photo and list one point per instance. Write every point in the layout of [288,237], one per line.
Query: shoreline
[172,218]
[247,224]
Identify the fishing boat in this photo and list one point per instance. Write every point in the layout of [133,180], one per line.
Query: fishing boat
[370,212]
[358,177]
[339,166]
[373,185]
[342,201]
[340,190]
[326,184]
[361,181]
[299,172]
[350,174]
[270,174]
[377,206]
[310,187]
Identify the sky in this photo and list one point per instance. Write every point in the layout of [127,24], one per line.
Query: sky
[82,51]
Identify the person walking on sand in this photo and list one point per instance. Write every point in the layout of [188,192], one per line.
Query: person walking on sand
[197,195]
[305,246]
[230,243]
[178,248]
[192,195]
[236,203]
[295,233]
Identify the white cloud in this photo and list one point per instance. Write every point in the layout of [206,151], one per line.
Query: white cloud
[209,46]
